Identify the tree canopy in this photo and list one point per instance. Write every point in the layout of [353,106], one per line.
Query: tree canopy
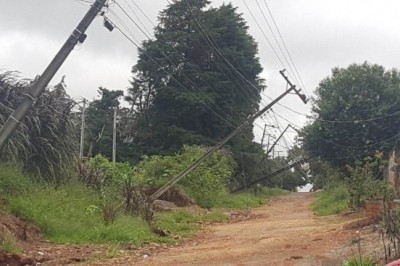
[184,88]
[99,123]
[356,112]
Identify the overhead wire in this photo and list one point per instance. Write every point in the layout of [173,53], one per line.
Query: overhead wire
[137,16]
[286,48]
[167,58]
[232,124]
[177,81]
[277,42]
[265,36]
[213,44]
[229,123]
[210,42]
[144,14]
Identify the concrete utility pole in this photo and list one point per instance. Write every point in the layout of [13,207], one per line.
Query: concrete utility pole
[114,149]
[82,130]
[278,172]
[250,120]
[78,35]
[262,139]
[269,150]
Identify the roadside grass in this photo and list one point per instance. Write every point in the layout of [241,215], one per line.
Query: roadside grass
[247,199]
[332,200]
[71,214]
[65,216]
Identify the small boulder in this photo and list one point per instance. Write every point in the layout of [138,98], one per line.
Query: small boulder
[163,205]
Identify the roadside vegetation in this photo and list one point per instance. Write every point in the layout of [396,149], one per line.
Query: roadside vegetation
[76,212]
[333,199]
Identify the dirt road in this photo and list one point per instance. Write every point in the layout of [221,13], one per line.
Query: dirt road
[285,232]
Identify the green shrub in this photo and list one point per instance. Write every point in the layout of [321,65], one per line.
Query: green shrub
[362,186]
[363,261]
[203,184]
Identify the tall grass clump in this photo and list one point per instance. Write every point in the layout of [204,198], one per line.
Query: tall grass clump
[46,142]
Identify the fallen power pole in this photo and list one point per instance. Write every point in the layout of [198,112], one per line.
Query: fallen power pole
[265,156]
[250,120]
[273,174]
[78,35]
[82,130]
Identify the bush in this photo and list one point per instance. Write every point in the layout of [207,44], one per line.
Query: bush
[203,184]
[356,261]
[362,185]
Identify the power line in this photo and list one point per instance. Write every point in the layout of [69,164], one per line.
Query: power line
[177,81]
[140,21]
[277,42]
[193,84]
[144,14]
[284,44]
[265,36]
[202,78]
[133,21]
[210,41]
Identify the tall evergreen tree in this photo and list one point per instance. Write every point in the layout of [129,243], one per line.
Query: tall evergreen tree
[184,73]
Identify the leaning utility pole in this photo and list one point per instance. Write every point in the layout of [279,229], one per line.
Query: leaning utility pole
[265,156]
[249,120]
[82,130]
[114,148]
[278,172]
[78,35]
[263,136]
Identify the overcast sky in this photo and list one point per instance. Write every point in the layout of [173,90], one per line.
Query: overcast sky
[319,34]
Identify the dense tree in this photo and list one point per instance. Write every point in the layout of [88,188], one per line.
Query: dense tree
[355,114]
[99,123]
[183,73]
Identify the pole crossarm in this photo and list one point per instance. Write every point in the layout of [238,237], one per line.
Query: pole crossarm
[78,35]
[249,121]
